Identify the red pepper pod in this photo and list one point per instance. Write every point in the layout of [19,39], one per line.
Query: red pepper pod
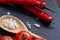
[40,14]
[5,1]
[39,4]
[32,3]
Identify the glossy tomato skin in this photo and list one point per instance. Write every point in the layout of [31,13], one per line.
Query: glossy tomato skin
[39,39]
[6,38]
[21,33]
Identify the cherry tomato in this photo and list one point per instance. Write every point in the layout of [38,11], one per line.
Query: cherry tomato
[39,39]
[24,35]
[6,38]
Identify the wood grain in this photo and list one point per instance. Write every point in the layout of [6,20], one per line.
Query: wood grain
[58,3]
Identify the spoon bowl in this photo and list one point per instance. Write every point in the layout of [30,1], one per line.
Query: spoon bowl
[19,22]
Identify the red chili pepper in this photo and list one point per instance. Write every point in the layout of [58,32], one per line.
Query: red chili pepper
[40,14]
[33,3]
[5,1]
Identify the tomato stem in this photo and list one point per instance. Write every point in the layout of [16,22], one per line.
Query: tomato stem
[24,37]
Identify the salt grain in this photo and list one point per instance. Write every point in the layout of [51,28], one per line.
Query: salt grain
[8,13]
[37,25]
[10,23]
[28,24]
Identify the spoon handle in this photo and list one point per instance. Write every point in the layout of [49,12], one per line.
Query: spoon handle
[34,35]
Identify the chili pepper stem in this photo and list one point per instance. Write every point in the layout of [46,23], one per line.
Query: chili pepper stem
[46,7]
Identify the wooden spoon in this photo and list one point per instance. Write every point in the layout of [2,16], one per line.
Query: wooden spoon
[20,23]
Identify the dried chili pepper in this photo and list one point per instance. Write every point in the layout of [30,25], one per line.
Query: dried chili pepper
[33,3]
[40,14]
